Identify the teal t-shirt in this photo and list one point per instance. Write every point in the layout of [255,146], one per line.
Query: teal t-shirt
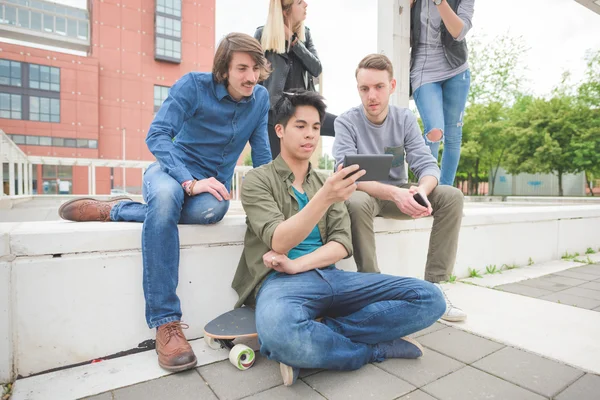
[313,241]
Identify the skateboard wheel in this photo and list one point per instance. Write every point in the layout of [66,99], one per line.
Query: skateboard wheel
[242,357]
[212,343]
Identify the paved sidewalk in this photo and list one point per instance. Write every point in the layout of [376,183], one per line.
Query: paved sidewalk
[456,365]
[578,287]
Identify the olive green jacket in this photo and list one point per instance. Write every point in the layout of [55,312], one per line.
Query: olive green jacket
[268,200]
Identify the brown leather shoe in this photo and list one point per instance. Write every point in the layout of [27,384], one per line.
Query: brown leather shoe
[88,209]
[174,352]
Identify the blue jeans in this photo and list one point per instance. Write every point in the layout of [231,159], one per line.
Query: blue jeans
[441,106]
[167,205]
[359,310]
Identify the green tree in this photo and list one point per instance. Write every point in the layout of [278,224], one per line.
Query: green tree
[248,160]
[496,79]
[552,136]
[326,163]
[588,94]
[497,72]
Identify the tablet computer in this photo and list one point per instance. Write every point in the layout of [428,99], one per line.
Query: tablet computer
[377,166]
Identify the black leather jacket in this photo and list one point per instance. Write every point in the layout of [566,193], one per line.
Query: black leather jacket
[307,54]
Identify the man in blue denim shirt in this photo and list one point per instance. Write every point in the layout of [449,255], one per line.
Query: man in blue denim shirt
[197,136]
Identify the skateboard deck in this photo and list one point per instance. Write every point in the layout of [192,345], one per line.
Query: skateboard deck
[223,330]
[233,324]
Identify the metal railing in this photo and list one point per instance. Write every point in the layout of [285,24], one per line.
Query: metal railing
[12,155]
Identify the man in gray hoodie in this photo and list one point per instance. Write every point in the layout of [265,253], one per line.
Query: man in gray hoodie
[376,127]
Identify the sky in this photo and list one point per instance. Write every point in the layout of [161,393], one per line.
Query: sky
[556,32]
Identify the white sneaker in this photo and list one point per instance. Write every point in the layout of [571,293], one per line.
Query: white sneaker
[289,374]
[452,314]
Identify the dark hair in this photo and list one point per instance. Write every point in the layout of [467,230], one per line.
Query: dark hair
[288,102]
[378,62]
[243,43]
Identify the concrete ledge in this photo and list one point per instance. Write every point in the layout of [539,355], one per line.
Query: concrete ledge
[76,292]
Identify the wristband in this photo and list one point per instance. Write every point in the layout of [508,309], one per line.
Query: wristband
[188,186]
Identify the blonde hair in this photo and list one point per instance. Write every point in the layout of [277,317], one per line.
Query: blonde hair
[273,36]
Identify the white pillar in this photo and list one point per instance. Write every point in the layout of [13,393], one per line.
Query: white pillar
[393,40]
[20,178]
[26,178]
[11,173]
[30,167]
[93,180]
[90,179]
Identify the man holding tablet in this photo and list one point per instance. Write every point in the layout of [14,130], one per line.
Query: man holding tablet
[297,229]
[376,127]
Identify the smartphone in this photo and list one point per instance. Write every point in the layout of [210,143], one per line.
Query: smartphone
[419,199]
[377,166]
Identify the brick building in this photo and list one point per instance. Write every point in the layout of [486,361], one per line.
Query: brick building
[85,82]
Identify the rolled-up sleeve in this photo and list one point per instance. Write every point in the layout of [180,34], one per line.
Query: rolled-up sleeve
[465,13]
[179,106]
[338,227]
[262,212]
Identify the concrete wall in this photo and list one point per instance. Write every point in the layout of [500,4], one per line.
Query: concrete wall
[538,184]
[77,293]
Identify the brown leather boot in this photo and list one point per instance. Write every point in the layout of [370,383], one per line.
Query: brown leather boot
[88,209]
[174,352]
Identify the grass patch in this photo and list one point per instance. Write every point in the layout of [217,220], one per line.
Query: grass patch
[568,256]
[509,266]
[474,273]
[530,262]
[588,260]
[590,251]
[6,390]
[492,269]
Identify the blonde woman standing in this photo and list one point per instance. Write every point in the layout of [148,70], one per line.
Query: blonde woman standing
[294,61]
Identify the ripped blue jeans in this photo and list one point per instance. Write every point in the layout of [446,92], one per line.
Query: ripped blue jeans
[441,106]
[166,206]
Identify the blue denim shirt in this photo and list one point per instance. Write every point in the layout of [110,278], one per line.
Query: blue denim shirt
[199,131]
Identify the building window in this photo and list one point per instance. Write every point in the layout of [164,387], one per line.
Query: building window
[10,73]
[168,26]
[57,179]
[18,139]
[32,140]
[10,106]
[48,17]
[52,141]
[171,7]
[168,49]
[10,15]
[167,34]
[160,94]
[44,77]
[29,91]
[44,109]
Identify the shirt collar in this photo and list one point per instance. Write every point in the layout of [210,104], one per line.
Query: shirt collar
[285,172]
[221,92]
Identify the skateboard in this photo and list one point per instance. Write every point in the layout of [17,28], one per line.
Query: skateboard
[223,330]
